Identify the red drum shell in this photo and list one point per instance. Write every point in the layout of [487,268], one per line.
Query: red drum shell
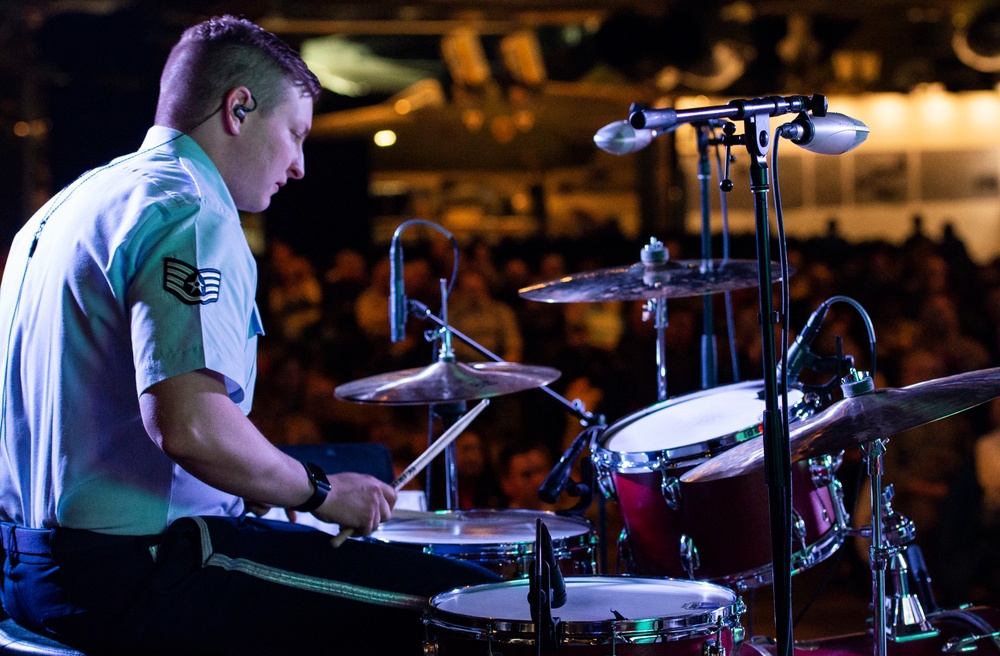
[727,521]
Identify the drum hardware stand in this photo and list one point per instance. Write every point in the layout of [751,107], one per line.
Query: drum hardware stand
[903,615]
[909,620]
[654,256]
[449,413]
[709,352]
[755,114]
[575,407]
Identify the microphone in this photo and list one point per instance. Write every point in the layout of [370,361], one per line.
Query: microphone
[557,582]
[620,138]
[556,481]
[833,134]
[798,353]
[397,296]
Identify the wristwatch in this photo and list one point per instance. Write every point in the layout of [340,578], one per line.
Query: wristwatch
[321,488]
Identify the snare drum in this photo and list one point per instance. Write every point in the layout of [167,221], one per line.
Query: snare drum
[718,530]
[500,540]
[602,615]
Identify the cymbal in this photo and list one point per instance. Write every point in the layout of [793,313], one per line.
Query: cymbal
[855,420]
[446,382]
[670,279]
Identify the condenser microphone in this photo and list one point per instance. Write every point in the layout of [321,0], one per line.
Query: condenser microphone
[397,295]
[799,354]
[833,134]
[620,138]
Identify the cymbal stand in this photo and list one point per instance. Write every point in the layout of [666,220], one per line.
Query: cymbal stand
[899,616]
[577,408]
[449,413]
[878,552]
[653,256]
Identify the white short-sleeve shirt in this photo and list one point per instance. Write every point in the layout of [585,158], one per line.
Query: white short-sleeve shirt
[141,272]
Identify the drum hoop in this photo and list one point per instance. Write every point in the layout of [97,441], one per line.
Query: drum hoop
[563,545]
[587,631]
[687,454]
[801,560]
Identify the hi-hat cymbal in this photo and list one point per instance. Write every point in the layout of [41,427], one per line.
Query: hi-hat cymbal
[855,420]
[446,382]
[637,282]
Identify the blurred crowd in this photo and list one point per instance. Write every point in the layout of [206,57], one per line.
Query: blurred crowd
[935,313]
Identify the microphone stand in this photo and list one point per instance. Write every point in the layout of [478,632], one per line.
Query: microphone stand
[709,356]
[756,115]
[542,593]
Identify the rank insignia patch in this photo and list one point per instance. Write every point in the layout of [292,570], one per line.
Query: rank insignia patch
[193,286]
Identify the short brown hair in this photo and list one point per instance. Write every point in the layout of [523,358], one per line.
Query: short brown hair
[220,54]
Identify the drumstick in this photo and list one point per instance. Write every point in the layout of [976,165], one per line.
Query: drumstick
[424,458]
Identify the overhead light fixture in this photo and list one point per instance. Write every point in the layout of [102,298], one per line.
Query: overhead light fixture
[522,56]
[463,53]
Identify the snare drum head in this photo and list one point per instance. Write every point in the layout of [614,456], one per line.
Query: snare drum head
[480,527]
[599,599]
[695,423]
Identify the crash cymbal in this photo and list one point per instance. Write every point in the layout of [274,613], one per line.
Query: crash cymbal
[670,279]
[855,420]
[446,382]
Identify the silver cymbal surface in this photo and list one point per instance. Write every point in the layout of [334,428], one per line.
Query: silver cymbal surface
[855,420]
[446,382]
[671,279]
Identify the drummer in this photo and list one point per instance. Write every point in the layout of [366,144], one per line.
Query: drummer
[130,334]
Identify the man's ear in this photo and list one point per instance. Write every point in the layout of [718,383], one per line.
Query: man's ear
[237,104]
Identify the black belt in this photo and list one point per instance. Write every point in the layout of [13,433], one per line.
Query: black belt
[38,541]
[22,540]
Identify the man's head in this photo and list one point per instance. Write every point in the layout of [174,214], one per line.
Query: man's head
[223,53]
[522,469]
[246,97]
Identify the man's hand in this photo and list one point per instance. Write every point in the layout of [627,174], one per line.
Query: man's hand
[358,502]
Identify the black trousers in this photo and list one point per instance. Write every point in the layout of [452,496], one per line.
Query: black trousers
[216,585]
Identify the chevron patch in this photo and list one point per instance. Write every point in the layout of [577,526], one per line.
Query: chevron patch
[193,286]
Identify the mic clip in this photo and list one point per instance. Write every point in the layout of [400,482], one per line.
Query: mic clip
[542,593]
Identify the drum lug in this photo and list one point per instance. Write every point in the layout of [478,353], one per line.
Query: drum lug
[799,528]
[607,485]
[714,646]
[430,648]
[690,560]
[823,470]
[670,488]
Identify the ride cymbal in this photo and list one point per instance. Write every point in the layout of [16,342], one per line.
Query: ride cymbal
[670,279]
[855,420]
[446,382]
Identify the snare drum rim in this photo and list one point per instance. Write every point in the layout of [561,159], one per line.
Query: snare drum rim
[588,631]
[562,546]
[687,454]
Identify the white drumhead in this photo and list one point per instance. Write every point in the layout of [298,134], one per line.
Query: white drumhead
[480,527]
[593,599]
[692,419]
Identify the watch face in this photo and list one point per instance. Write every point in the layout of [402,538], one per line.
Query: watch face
[321,488]
[318,476]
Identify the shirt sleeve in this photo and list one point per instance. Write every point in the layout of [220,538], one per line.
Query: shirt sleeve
[191,301]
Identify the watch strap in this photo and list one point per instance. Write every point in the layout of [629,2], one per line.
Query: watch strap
[321,488]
